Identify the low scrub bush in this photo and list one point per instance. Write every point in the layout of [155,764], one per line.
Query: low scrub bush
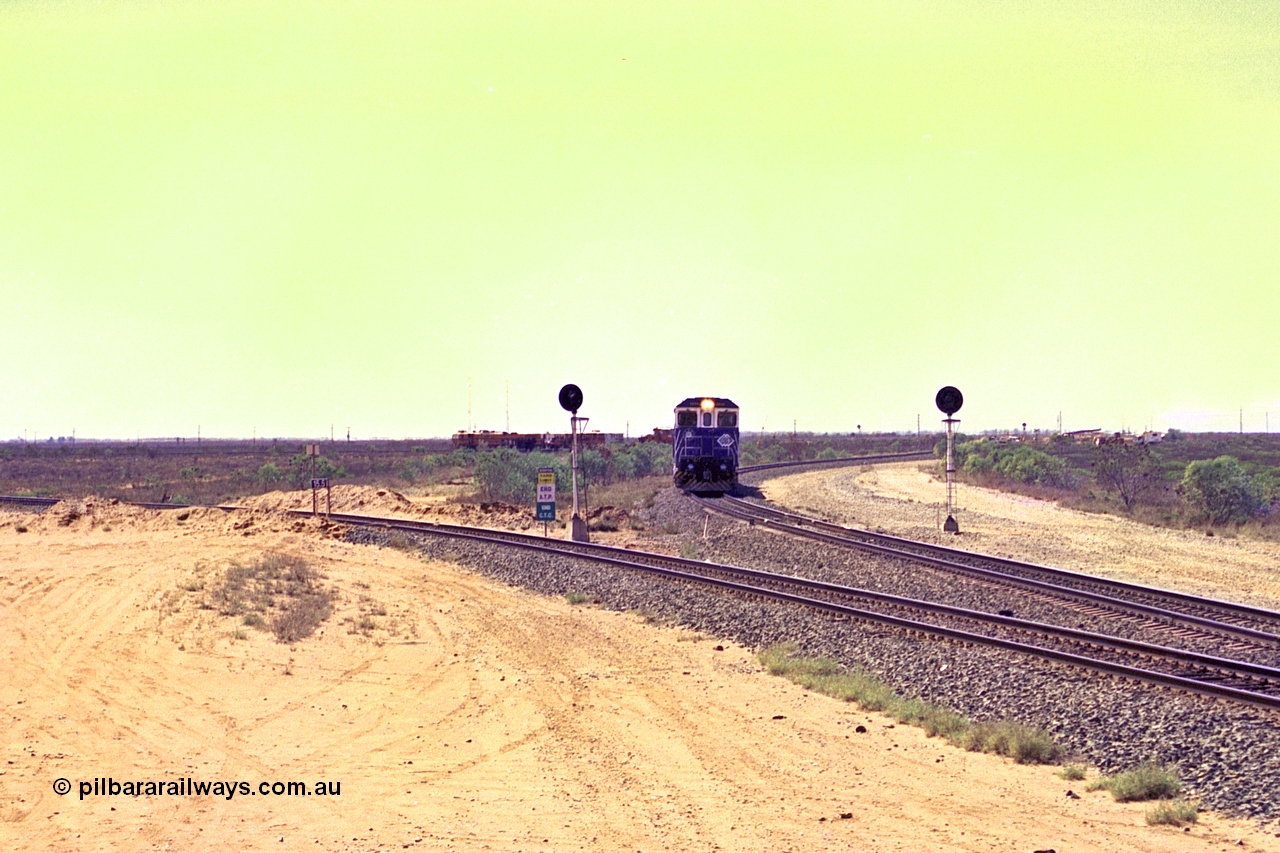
[279,591]
[1023,744]
[1145,782]
[1173,814]
[1222,490]
[1018,463]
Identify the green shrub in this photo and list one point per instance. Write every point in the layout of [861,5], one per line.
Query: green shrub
[302,468]
[1145,782]
[511,476]
[269,473]
[1023,744]
[1072,772]
[1221,489]
[1173,814]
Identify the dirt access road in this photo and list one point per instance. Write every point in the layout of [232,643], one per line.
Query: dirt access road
[454,714]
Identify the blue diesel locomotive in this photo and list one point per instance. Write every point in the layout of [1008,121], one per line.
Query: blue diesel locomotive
[705,445]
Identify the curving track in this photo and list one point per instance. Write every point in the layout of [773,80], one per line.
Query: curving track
[1237,626]
[1240,681]
[1256,684]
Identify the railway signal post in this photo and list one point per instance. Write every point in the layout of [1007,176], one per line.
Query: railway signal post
[949,401]
[571,401]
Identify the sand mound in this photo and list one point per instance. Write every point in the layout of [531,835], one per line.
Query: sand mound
[364,500]
[87,514]
[370,500]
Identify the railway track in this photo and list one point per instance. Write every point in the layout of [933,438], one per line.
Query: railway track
[33,503]
[1239,681]
[45,503]
[1237,628]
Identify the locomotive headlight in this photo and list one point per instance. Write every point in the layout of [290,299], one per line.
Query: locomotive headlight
[708,404]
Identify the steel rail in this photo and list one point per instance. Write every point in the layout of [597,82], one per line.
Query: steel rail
[949,559]
[20,500]
[1231,606]
[692,571]
[48,502]
[627,558]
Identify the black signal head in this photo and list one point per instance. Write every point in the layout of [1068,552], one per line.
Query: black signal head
[571,398]
[949,400]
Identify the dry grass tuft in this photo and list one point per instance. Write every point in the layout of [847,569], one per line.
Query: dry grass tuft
[279,591]
[1145,782]
[1023,744]
[1173,814]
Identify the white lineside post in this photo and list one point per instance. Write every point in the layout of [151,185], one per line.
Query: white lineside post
[951,462]
[577,526]
[573,432]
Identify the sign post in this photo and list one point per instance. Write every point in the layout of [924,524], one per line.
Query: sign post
[949,401]
[321,483]
[546,497]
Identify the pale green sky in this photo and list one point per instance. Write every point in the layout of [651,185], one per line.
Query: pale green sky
[281,217]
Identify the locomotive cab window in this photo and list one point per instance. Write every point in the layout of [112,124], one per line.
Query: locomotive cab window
[687,419]
[706,419]
[727,419]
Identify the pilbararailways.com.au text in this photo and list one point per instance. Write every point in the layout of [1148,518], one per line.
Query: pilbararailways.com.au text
[188,787]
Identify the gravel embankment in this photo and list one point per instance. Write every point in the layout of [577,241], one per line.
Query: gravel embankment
[1228,756]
